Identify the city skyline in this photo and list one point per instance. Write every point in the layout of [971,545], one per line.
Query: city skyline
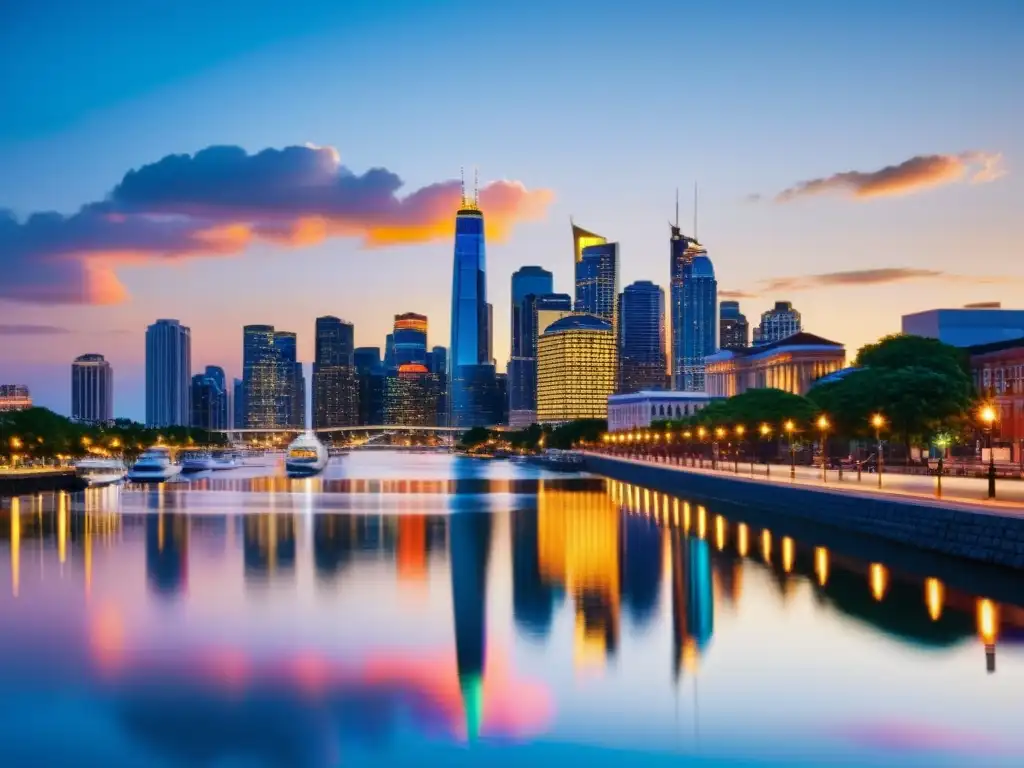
[831,206]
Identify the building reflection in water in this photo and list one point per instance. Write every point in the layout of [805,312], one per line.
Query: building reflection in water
[534,598]
[167,536]
[693,607]
[268,546]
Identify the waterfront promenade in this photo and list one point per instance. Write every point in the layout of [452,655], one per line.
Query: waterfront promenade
[962,523]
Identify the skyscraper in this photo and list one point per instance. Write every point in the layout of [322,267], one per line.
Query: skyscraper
[260,371]
[641,338]
[471,373]
[597,282]
[410,396]
[291,395]
[733,328]
[575,369]
[410,338]
[371,380]
[581,239]
[238,404]
[209,400]
[92,389]
[335,390]
[694,300]
[168,374]
[548,309]
[527,284]
[777,323]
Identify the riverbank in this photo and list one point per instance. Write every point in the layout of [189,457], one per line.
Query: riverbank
[984,533]
[17,482]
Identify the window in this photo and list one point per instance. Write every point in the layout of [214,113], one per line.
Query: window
[654,410]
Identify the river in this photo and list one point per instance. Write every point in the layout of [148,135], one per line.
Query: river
[423,609]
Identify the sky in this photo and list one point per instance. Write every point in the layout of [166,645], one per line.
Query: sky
[251,162]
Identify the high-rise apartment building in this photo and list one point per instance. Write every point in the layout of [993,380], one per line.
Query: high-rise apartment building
[410,338]
[778,323]
[291,396]
[597,282]
[92,389]
[14,397]
[575,369]
[209,399]
[527,284]
[260,373]
[694,306]
[168,374]
[471,371]
[335,390]
[733,328]
[411,395]
[641,338]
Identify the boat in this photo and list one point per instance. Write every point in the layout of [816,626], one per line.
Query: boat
[99,471]
[154,465]
[305,456]
[224,461]
[559,461]
[197,462]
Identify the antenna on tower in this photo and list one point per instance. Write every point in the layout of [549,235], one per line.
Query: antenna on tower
[462,186]
[695,212]
[476,188]
[677,207]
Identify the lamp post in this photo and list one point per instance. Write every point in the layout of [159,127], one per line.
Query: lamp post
[823,426]
[717,455]
[765,432]
[789,426]
[878,421]
[988,416]
[700,434]
[740,429]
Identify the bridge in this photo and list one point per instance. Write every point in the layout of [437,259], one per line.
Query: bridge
[362,428]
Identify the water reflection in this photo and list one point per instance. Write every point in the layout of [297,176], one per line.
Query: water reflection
[292,633]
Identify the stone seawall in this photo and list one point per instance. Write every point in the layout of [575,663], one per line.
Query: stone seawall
[948,529]
[13,484]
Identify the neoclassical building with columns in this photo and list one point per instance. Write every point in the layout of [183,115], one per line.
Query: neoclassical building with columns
[791,364]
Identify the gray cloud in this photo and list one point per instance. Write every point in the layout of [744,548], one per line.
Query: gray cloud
[29,329]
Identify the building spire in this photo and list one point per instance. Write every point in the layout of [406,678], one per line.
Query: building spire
[695,212]
[462,187]
[677,207]
[476,188]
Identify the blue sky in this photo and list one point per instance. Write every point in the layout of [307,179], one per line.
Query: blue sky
[608,106]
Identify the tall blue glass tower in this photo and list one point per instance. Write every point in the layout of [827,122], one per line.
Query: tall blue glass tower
[641,337]
[694,299]
[472,381]
[597,281]
[527,284]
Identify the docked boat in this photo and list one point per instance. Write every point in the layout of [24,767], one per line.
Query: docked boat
[99,471]
[154,466]
[198,462]
[305,456]
[224,461]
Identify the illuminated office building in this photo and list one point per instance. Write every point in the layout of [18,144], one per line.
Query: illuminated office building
[597,282]
[777,323]
[335,387]
[168,374]
[410,396]
[472,383]
[581,239]
[409,338]
[209,399]
[291,397]
[527,284]
[694,306]
[733,328]
[260,372]
[641,338]
[575,369]
[92,390]
[14,397]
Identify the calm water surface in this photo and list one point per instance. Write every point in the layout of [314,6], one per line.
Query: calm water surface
[413,609]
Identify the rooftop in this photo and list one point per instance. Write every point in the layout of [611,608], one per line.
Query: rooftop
[578,323]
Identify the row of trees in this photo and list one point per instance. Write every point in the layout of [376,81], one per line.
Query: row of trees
[537,437]
[920,387]
[39,433]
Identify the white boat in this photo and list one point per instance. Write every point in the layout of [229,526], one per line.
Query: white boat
[99,471]
[154,465]
[227,461]
[305,456]
[197,462]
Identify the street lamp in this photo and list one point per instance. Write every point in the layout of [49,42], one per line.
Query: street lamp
[740,429]
[765,432]
[878,421]
[789,426]
[823,426]
[988,416]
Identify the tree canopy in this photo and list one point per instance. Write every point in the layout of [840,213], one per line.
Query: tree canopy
[750,409]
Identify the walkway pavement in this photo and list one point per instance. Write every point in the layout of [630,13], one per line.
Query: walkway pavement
[962,492]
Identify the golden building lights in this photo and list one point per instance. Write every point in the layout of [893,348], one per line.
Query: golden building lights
[576,369]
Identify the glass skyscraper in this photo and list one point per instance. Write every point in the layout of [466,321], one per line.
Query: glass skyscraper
[291,398]
[733,329]
[527,284]
[597,281]
[335,390]
[641,338]
[260,371]
[209,399]
[471,372]
[581,239]
[371,378]
[410,339]
[168,374]
[694,300]
[92,389]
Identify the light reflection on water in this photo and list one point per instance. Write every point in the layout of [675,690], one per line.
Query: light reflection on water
[418,610]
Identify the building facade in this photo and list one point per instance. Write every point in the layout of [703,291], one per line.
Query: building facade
[168,374]
[733,328]
[998,372]
[575,369]
[641,338]
[92,389]
[471,372]
[14,397]
[527,284]
[238,404]
[209,400]
[779,322]
[370,373]
[411,396]
[260,372]
[335,390]
[581,239]
[791,364]
[967,326]
[291,381]
[694,300]
[597,282]
[638,410]
[409,337]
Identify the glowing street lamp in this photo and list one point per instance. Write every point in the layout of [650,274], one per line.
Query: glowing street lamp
[16,442]
[740,430]
[765,433]
[988,418]
[823,425]
[878,421]
[789,426]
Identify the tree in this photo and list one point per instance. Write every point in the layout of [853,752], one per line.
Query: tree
[475,436]
[905,351]
[751,409]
